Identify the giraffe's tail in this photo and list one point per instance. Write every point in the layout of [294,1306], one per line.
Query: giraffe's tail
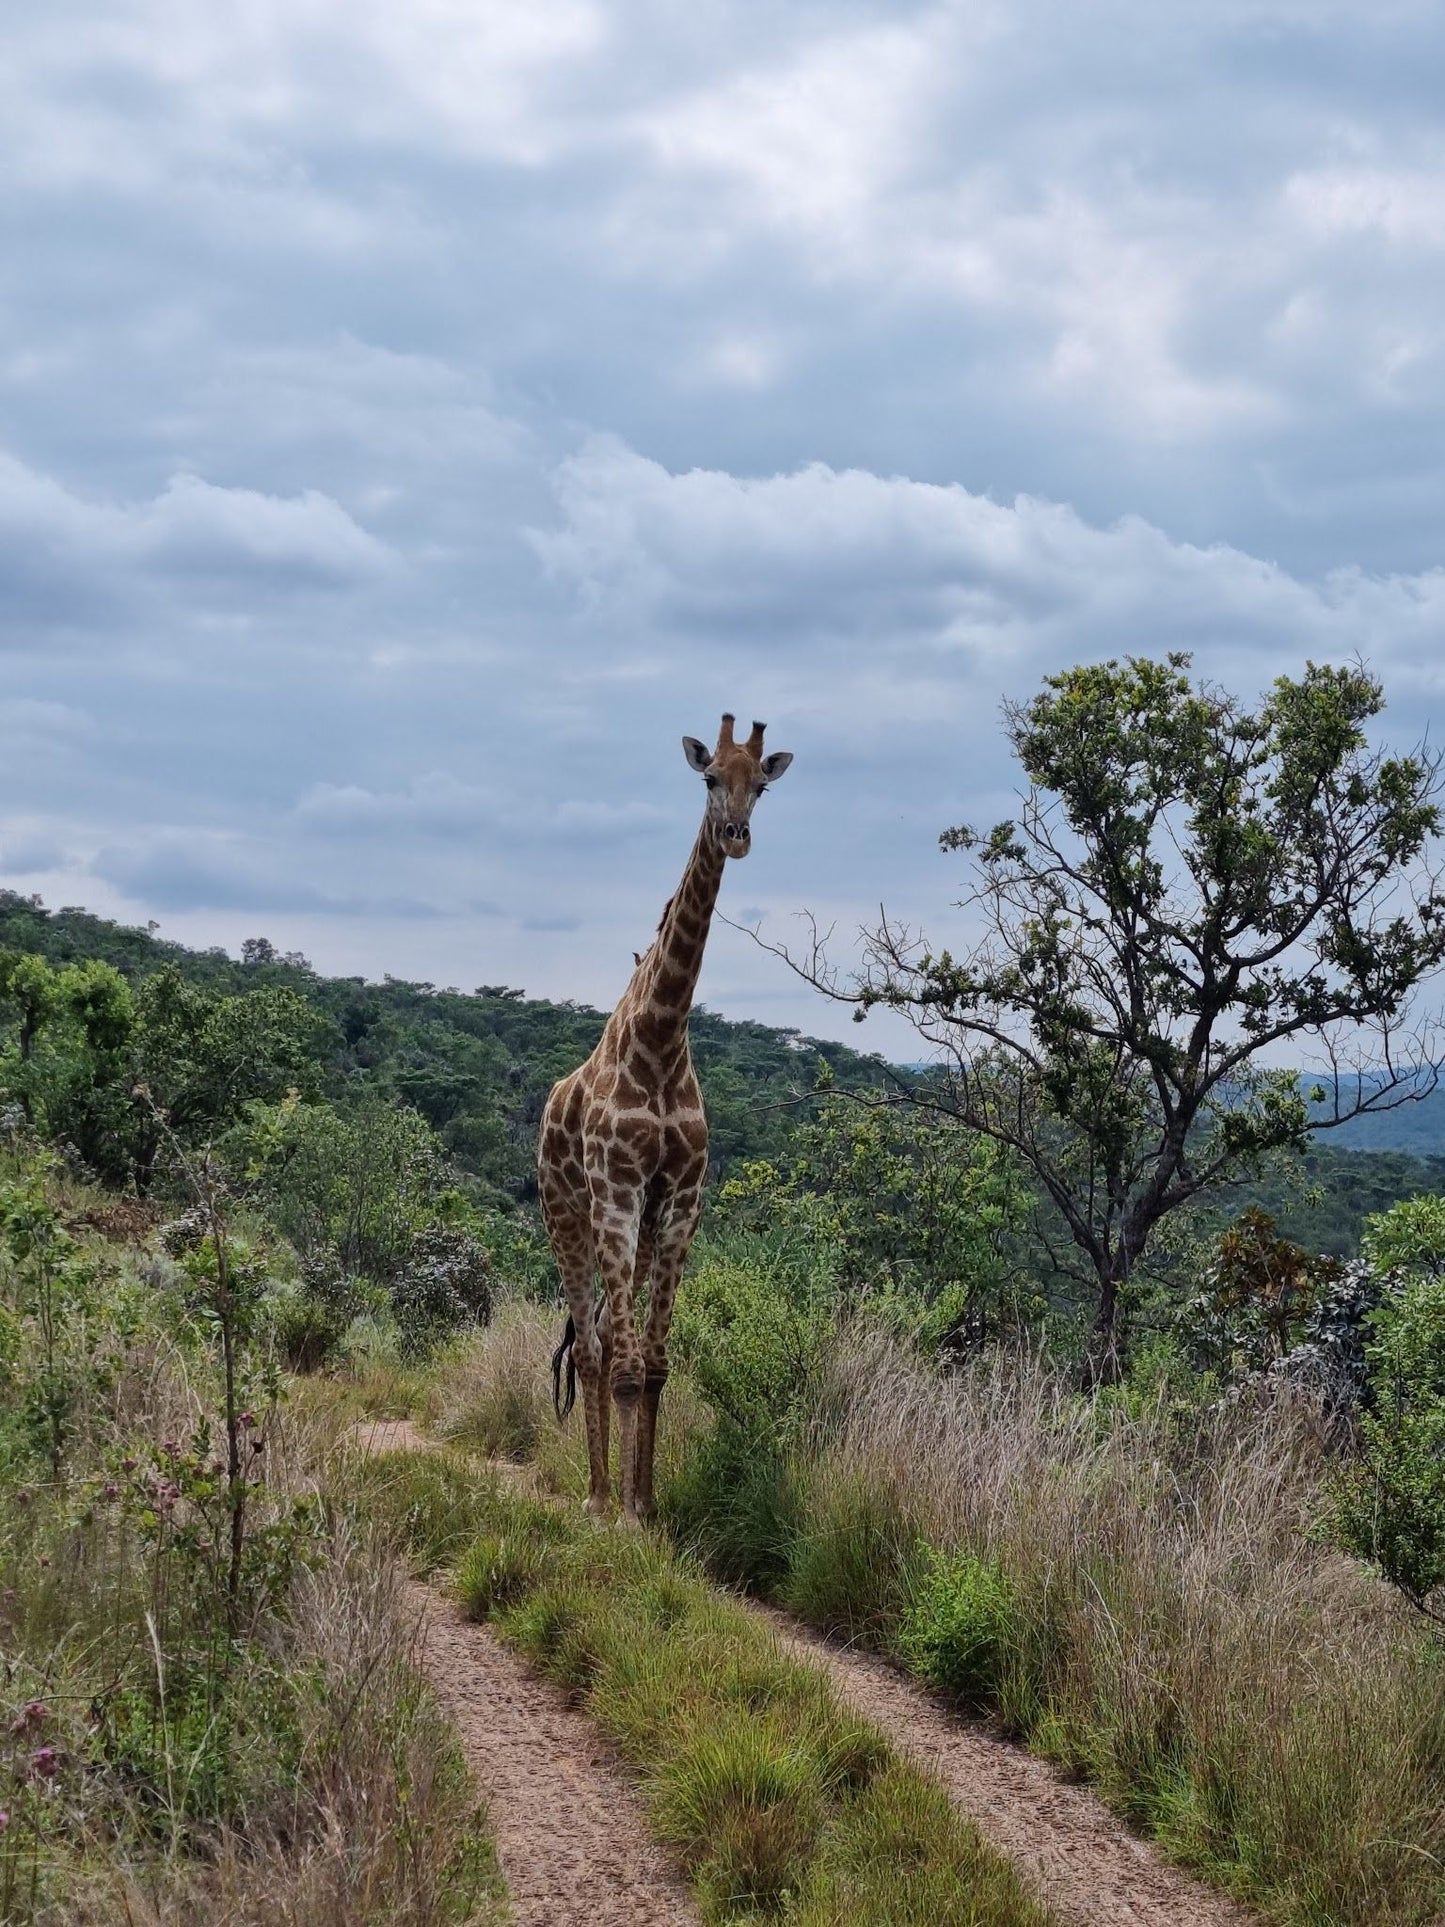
[564,1354]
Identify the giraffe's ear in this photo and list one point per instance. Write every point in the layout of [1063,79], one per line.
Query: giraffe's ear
[698,754]
[774,765]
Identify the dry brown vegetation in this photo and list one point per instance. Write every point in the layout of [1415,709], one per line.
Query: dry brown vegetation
[1176,1630]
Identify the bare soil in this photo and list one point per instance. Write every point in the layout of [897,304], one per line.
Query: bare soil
[1072,1851]
[571,1834]
[573,1840]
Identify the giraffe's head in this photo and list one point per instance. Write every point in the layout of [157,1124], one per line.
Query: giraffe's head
[736,775]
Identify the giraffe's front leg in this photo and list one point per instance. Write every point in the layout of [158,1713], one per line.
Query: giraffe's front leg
[673,1243]
[615,1232]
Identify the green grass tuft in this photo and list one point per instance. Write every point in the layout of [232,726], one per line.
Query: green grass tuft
[851,1562]
[745,1803]
[433,1502]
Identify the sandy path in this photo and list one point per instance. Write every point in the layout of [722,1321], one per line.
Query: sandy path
[1065,1842]
[1073,1852]
[571,1834]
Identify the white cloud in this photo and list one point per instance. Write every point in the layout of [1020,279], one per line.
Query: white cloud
[1406,206]
[834,559]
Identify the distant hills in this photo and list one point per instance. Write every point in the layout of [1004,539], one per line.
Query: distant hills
[477,1064]
[1417,1127]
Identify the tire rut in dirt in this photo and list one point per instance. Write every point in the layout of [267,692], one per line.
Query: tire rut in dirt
[1074,1853]
[571,1834]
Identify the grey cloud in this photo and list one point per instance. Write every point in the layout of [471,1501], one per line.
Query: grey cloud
[27,853]
[68,559]
[174,871]
[417,419]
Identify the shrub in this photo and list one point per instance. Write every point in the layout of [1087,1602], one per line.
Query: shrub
[731,1501]
[958,1625]
[1389,1507]
[444,1283]
[308,1332]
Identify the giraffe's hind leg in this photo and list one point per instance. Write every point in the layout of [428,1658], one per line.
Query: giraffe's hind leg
[591,1350]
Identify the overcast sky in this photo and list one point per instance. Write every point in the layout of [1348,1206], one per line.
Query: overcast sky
[414,418]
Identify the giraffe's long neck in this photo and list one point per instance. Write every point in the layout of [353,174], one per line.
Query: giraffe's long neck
[667,977]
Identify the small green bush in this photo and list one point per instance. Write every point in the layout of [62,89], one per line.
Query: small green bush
[957,1627]
[308,1333]
[1389,1507]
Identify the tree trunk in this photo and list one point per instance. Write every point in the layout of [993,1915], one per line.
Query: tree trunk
[1104,1352]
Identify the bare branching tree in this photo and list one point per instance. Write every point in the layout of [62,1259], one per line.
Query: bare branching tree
[1192,892]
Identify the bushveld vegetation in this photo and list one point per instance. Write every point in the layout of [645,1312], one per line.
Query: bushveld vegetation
[1202,1567]
[780,1802]
[209,1709]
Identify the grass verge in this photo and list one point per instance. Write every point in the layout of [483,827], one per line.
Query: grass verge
[781,1804]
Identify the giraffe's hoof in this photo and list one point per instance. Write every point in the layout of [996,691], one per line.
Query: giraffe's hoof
[629,1522]
[597,1508]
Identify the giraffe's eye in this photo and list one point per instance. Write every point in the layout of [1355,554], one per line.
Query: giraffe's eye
[712,782]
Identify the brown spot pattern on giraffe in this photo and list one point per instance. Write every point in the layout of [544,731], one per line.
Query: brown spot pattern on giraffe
[622,1154]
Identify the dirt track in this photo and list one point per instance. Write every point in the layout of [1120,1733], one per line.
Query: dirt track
[573,1840]
[571,1834]
[1064,1841]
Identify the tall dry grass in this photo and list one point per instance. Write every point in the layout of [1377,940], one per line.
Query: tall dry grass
[491,1394]
[378,1821]
[1180,1633]
[352,1803]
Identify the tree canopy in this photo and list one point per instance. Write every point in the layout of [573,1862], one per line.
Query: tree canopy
[1191,889]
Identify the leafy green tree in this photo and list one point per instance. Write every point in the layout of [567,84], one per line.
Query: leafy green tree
[66,1033]
[1190,884]
[906,1204]
[361,1181]
[29,997]
[201,1057]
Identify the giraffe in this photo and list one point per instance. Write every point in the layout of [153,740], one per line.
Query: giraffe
[623,1148]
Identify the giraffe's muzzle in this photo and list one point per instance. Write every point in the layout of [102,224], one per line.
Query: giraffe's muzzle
[737,839]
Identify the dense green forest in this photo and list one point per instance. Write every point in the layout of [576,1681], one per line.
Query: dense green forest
[475,1065]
